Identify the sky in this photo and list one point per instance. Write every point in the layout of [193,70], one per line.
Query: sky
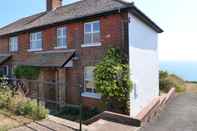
[177,18]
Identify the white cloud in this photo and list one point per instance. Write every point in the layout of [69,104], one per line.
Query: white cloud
[180,46]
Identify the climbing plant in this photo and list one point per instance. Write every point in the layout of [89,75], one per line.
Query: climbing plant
[112,81]
[27,72]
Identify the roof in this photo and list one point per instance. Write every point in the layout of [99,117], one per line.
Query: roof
[80,9]
[4,57]
[48,59]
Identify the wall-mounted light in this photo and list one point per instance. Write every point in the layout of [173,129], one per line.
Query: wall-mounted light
[77,56]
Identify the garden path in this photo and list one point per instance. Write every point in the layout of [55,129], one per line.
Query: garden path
[179,115]
[50,124]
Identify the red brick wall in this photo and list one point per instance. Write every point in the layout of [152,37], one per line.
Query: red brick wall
[112,35]
[91,102]
[23,47]
[49,40]
[4,45]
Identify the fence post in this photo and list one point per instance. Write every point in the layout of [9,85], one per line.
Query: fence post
[80,126]
[57,97]
[38,94]
[80,106]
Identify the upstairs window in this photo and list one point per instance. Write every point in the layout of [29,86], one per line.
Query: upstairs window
[92,33]
[36,41]
[61,37]
[13,44]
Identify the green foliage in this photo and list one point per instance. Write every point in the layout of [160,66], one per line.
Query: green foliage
[164,83]
[168,81]
[5,96]
[4,128]
[27,72]
[4,84]
[20,105]
[112,81]
[32,109]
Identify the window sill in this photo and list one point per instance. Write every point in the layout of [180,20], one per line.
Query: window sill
[91,45]
[13,51]
[33,50]
[60,47]
[91,95]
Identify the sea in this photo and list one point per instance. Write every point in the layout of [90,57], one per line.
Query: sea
[185,69]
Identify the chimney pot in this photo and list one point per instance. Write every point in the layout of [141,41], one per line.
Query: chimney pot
[53,4]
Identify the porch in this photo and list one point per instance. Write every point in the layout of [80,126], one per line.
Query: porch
[51,85]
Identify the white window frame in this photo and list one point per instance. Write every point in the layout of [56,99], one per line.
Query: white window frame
[13,44]
[91,32]
[35,41]
[62,36]
[7,70]
[89,94]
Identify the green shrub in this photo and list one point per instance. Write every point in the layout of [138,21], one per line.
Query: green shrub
[27,72]
[26,108]
[5,96]
[17,103]
[180,88]
[42,113]
[32,109]
[112,81]
[4,128]
[167,81]
[165,84]
[12,104]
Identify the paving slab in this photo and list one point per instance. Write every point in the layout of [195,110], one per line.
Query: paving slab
[44,125]
[104,125]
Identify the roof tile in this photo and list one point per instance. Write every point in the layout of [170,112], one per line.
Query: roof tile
[68,12]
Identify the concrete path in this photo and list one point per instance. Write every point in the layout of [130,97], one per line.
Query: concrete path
[180,115]
[51,124]
[104,125]
[45,125]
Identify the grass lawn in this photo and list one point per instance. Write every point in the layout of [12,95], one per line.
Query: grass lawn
[9,120]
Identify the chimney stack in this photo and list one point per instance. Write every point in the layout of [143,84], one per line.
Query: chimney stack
[53,4]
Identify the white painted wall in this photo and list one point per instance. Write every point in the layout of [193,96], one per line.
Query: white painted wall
[144,64]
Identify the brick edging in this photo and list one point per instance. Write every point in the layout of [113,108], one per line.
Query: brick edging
[151,111]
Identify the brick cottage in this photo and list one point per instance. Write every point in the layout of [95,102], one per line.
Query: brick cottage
[66,42]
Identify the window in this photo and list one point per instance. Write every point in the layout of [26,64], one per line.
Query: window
[89,85]
[13,44]
[89,79]
[92,33]
[36,41]
[4,71]
[62,37]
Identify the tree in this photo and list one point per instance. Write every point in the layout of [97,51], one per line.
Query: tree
[112,81]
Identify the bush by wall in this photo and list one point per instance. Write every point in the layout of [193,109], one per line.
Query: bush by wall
[20,105]
[27,72]
[167,81]
[32,109]
[112,81]
[5,96]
